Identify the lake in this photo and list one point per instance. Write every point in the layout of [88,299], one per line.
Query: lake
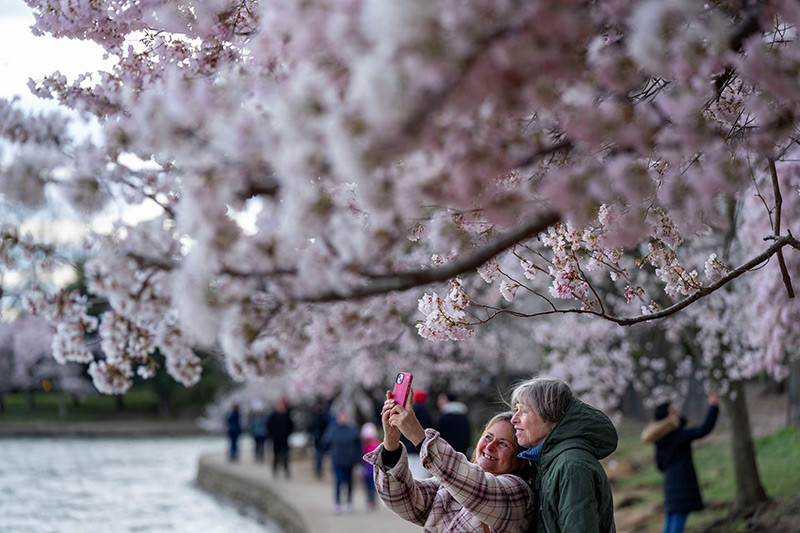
[114,485]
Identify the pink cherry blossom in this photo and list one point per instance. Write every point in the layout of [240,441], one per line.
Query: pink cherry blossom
[325,176]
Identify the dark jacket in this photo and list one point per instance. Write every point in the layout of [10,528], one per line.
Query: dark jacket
[454,426]
[343,443]
[573,488]
[318,422]
[674,458]
[233,423]
[279,427]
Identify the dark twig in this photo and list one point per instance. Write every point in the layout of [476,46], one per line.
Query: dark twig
[787,280]
[780,242]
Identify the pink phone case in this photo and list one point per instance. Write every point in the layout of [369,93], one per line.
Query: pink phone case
[402,382]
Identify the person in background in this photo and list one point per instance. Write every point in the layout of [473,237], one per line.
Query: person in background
[233,425]
[491,493]
[280,426]
[343,441]
[565,438]
[423,414]
[258,429]
[317,423]
[369,441]
[454,426]
[673,441]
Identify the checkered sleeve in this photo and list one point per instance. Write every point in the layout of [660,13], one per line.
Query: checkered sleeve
[409,498]
[503,502]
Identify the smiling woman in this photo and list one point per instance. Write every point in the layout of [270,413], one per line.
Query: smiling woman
[497,448]
[566,438]
[489,493]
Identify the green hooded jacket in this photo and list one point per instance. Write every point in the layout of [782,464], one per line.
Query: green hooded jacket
[572,486]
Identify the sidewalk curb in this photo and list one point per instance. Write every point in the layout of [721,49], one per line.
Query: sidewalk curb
[301,504]
[235,485]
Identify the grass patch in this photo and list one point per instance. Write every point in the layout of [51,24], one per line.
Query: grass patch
[55,407]
[777,456]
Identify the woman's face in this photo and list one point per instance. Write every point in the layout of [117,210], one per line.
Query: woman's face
[496,451]
[529,427]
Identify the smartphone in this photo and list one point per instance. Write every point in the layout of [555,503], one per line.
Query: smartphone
[402,383]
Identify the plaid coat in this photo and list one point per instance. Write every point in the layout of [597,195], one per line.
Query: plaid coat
[460,498]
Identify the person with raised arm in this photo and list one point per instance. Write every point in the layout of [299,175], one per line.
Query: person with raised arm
[673,442]
[490,493]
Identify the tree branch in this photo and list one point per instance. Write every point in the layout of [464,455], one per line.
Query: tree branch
[400,281]
[773,249]
[787,280]
[780,242]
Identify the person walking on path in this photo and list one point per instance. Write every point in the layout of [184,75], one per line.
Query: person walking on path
[673,442]
[369,441]
[486,494]
[317,424]
[280,426]
[454,426]
[258,430]
[233,425]
[343,441]
[565,439]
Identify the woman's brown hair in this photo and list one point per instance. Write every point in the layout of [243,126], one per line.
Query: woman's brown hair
[522,468]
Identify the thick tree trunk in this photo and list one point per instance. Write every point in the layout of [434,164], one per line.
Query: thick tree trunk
[62,406]
[30,400]
[793,403]
[749,490]
[164,405]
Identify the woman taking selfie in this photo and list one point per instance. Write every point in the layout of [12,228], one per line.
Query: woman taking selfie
[484,495]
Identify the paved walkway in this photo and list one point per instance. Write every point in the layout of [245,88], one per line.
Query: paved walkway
[312,499]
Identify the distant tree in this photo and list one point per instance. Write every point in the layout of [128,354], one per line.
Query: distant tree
[33,366]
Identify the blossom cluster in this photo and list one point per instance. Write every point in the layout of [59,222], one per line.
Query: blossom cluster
[68,310]
[445,318]
[307,159]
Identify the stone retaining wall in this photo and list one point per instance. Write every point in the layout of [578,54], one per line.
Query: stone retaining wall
[238,487]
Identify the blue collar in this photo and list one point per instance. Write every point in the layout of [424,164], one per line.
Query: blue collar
[532,454]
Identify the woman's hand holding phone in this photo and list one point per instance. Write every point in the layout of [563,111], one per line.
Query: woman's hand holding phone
[391,434]
[403,418]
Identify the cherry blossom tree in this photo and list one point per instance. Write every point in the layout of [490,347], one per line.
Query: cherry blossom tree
[745,331]
[385,152]
[32,362]
[29,365]
[324,174]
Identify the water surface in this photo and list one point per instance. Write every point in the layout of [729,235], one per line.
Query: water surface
[114,485]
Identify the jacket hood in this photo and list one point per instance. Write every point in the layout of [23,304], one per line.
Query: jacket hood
[583,427]
[655,431]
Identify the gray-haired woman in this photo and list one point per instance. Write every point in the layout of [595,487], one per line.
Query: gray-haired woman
[565,439]
[488,494]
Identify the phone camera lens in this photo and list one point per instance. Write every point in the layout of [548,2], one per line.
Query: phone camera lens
[399,379]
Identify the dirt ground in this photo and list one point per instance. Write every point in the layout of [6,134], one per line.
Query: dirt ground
[778,517]
[768,413]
